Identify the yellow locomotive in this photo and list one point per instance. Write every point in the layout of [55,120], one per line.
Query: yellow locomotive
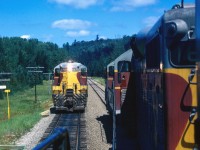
[69,88]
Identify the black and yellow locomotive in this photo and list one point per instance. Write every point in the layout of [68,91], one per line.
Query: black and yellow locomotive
[69,88]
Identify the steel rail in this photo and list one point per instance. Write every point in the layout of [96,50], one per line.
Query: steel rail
[99,91]
[67,121]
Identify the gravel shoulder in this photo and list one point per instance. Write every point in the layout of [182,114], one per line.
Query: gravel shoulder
[98,123]
[31,139]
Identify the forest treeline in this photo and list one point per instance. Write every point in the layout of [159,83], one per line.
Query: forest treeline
[17,54]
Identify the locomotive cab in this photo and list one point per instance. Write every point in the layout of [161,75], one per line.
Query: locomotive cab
[118,74]
[109,86]
[166,92]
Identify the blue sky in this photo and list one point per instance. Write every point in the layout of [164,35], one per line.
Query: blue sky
[61,21]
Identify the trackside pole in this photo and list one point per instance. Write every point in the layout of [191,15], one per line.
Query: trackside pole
[35,71]
[8,91]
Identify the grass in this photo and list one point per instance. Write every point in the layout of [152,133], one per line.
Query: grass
[100,80]
[24,112]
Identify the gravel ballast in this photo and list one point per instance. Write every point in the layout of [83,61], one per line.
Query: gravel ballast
[98,123]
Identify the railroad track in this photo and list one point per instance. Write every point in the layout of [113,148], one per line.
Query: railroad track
[76,126]
[100,92]
[75,123]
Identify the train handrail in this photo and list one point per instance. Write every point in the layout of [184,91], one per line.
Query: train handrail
[59,139]
[114,120]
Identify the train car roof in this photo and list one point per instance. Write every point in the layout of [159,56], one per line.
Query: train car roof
[111,64]
[126,56]
[76,65]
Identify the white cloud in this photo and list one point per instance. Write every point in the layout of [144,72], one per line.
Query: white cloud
[127,5]
[78,33]
[77,3]
[25,36]
[66,24]
[149,21]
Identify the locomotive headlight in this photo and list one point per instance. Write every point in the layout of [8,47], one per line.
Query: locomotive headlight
[172,28]
[69,67]
[175,30]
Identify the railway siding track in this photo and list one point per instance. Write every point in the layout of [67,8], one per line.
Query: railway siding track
[99,91]
[99,124]
[76,126]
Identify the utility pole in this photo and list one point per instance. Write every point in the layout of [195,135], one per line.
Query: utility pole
[35,71]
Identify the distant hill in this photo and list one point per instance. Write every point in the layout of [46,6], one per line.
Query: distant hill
[17,54]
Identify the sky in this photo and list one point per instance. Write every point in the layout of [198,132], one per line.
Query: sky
[62,21]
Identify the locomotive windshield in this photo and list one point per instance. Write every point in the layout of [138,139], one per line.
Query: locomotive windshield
[182,54]
[124,66]
[111,71]
[83,71]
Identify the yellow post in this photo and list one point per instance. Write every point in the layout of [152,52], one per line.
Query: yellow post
[8,91]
